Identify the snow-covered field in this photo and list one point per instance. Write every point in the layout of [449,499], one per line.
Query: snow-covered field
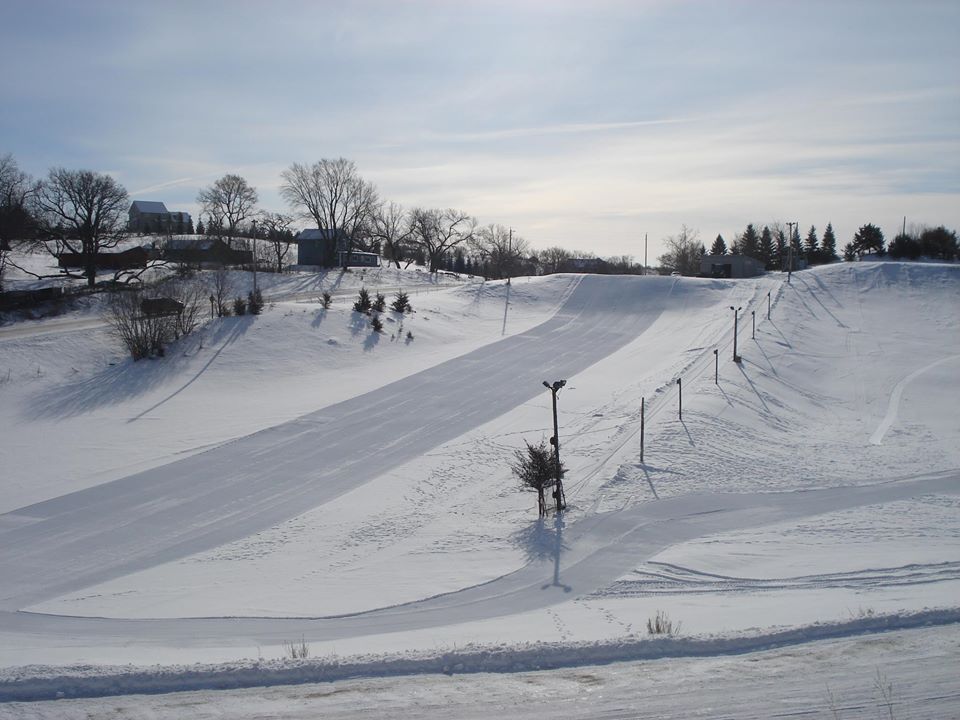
[295,477]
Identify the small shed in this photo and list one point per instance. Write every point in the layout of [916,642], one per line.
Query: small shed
[730,266]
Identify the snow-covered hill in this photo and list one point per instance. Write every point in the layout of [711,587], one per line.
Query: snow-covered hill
[298,476]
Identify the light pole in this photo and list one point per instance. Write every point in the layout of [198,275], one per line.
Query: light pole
[716,367]
[790,225]
[768,305]
[555,441]
[753,324]
[736,312]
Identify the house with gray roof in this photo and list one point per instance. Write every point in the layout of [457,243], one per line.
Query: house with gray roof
[147,217]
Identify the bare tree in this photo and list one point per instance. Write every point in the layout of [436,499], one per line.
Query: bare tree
[683,253]
[275,228]
[553,258]
[335,197]
[230,201]
[16,222]
[391,226]
[501,251]
[81,212]
[146,334]
[222,289]
[437,232]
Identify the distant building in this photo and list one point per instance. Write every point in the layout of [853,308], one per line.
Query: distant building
[131,258]
[205,251]
[730,266]
[318,246]
[150,217]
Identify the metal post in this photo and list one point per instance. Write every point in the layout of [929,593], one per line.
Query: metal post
[555,441]
[768,305]
[680,396]
[716,367]
[753,324]
[736,312]
[642,414]
[644,253]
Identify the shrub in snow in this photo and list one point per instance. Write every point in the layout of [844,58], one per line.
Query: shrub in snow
[255,302]
[536,468]
[325,300]
[401,302]
[296,650]
[376,323]
[661,624]
[363,303]
[239,306]
[379,303]
[147,333]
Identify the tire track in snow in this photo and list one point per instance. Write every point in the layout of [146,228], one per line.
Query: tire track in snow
[893,407]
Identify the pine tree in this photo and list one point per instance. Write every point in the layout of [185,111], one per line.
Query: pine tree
[719,247]
[868,239]
[766,249]
[781,240]
[750,242]
[828,248]
[201,230]
[363,303]
[811,245]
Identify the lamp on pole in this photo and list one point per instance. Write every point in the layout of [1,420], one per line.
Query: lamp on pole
[716,366]
[768,305]
[753,324]
[555,441]
[736,312]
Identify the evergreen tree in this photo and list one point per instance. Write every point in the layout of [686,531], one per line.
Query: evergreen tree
[868,239]
[750,242]
[795,242]
[781,239]
[719,247]
[766,248]
[363,303]
[190,226]
[939,243]
[812,244]
[828,247]
[201,230]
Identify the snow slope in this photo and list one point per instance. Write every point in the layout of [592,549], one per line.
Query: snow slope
[372,509]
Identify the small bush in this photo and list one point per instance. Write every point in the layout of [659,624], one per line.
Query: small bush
[379,303]
[255,302]
[239,306]
[363,303]
[409,336]
[401,302]
[661,624]
[325,300]
[376,323]
[296,650]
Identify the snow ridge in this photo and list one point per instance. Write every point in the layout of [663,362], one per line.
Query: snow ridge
[36,683]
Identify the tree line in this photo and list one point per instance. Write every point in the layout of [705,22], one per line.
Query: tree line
[778,246]
[84,213]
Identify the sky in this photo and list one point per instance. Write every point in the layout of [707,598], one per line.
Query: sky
[588,125]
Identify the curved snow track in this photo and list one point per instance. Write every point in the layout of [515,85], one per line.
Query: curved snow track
[252,483]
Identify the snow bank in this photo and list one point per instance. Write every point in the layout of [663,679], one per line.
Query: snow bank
[33,683]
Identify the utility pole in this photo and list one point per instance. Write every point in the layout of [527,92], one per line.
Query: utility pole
[790,225]
[253,245]
[555,441]
[645,257]
[736,311]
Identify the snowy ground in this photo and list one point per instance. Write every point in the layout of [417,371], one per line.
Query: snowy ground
[325,471]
